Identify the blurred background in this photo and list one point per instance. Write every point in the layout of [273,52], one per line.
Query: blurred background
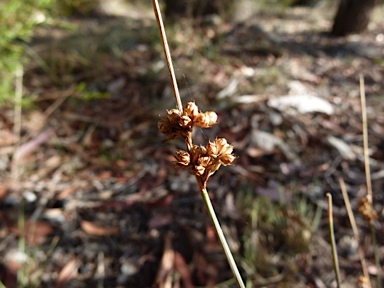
[88,192]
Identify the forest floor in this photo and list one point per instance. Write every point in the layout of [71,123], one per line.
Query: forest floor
[89,195]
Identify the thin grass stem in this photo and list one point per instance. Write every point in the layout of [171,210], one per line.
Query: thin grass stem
[376,253]
[17,120]
[368,175]
[354,230]
[365,138]
[333,241]
[220,234]
[167,54]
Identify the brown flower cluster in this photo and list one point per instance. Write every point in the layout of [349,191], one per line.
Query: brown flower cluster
[181,122]
[202,161]
[365,209]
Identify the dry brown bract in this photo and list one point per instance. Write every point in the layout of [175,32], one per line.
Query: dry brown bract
[201,161]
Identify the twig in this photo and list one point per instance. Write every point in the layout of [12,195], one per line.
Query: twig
[168,57]
[333,241]
[354,230]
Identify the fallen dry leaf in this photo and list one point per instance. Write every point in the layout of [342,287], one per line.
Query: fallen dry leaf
[35,232]
[28,148]
[66,273]
[66,192]
[97,230]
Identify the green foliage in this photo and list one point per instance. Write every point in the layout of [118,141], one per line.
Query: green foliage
[18,19]
[275,230]
[80,7]
[87,95]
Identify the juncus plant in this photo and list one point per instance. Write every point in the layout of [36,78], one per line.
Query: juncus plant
[201,161]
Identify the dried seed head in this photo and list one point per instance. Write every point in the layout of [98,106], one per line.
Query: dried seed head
[212,149]
[366,210]
[198,170]
[166,127]
[191,110]
[175,124]
[199,160]
[204,161]
[213,167]
[197,152]
[205,120]
[221,150]
[223,147]
[185,121]
[182,158]
[227,159]
[363,282]
[174,116]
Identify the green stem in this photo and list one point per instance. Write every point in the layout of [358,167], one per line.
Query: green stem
[220,234]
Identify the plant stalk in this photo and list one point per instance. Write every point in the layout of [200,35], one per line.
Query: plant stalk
[368,175]
[355,231]
[167,54]
[220,234]
[333,241]
[188,142]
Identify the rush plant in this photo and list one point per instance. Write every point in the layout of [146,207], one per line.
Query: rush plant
[202,161]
